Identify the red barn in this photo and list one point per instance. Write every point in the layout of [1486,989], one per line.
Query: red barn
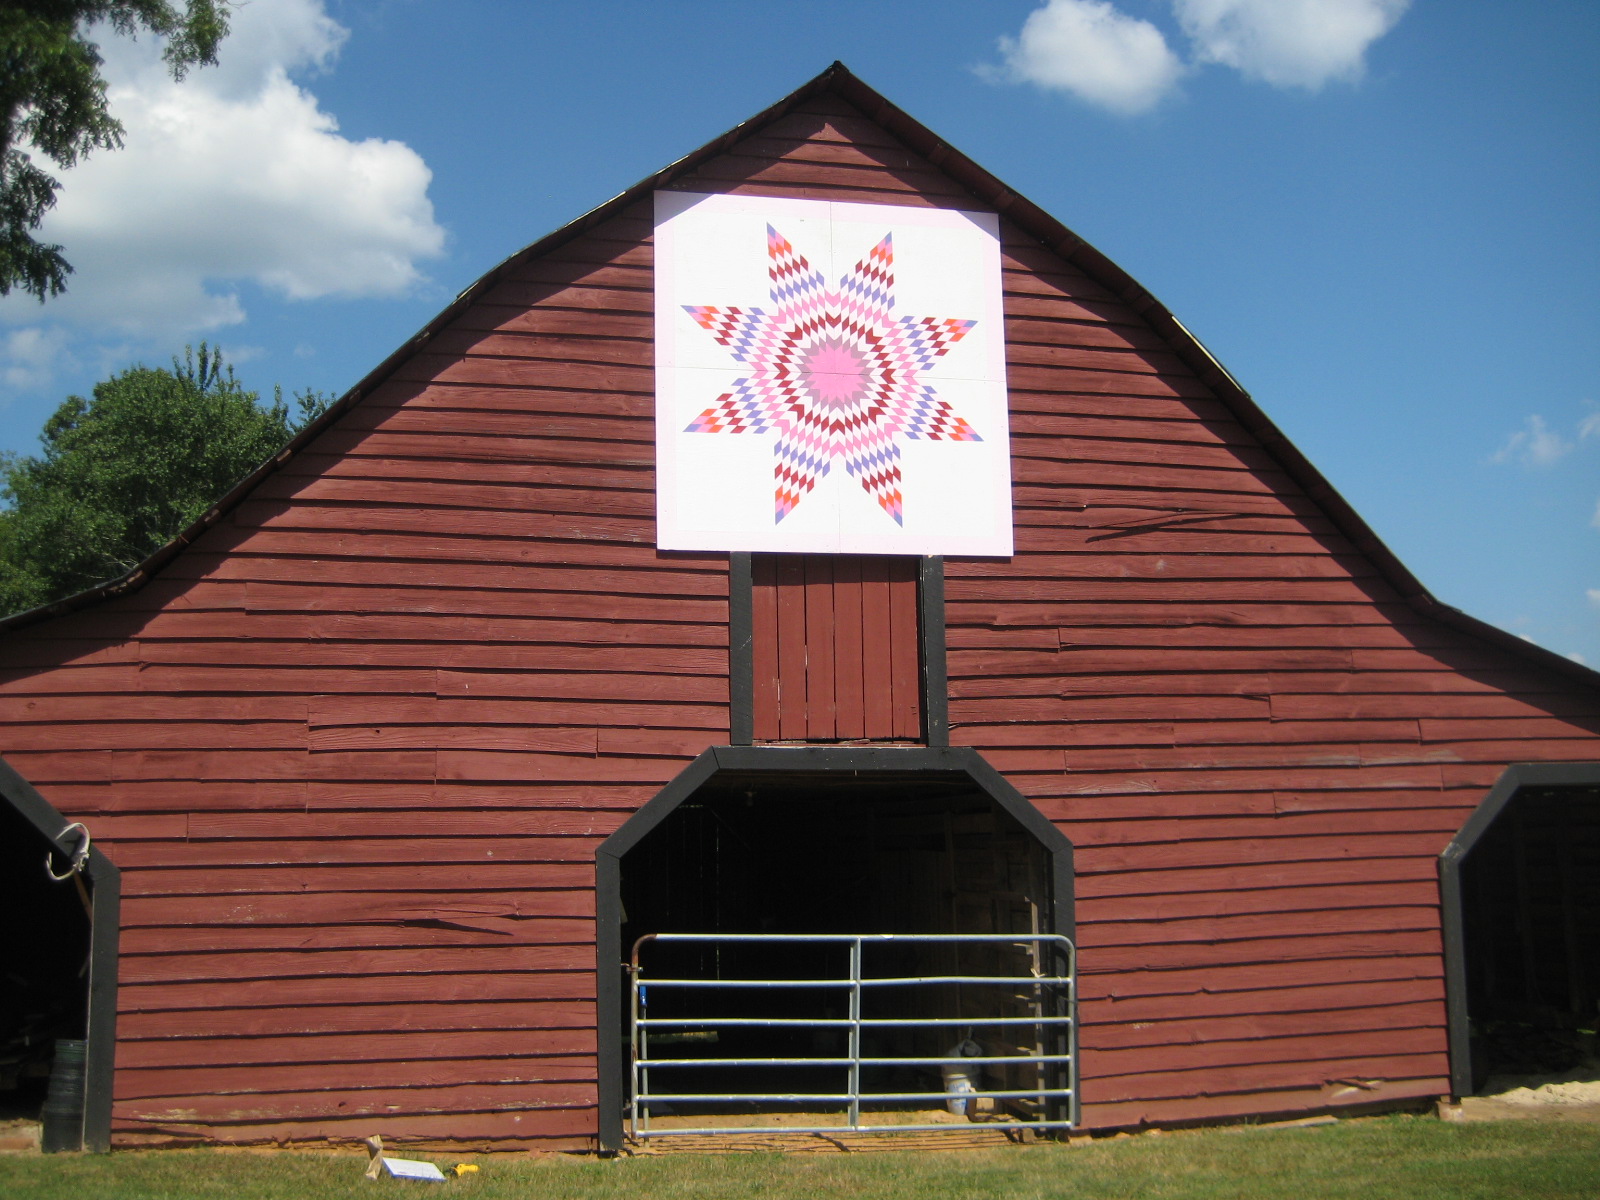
[420,719]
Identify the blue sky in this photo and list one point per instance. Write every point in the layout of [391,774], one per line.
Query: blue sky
[1383,218]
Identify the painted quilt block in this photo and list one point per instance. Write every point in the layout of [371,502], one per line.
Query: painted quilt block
[830,378]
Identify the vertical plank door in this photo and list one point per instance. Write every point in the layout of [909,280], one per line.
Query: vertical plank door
[835,648]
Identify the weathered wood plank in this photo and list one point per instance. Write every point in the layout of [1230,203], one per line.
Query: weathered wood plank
[1316,986]
[1188,1029]
[905,655]
[1258,928]
[147,1083]
[1270,1099]
[357,1018]
[550,1129]
[356,938]
[407,990]
[789,584]
[487,876]
[1275,1057]
[766,698]
[333,964]
[1230,878]
[381,847]
[331,712]
[471,910]
[404,1048]
[821,708]
[1157,855]
[849,678]
[1337,945]
[1281,902]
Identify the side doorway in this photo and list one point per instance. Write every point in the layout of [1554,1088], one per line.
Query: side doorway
[59,982]
[1520,890]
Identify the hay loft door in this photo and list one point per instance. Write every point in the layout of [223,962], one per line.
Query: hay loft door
[838,648]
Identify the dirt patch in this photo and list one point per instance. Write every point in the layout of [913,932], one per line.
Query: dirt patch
[960,1135]
[1575,1087]
[1565,1096]
[19,1137]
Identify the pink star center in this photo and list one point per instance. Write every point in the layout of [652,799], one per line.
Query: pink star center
[834,373]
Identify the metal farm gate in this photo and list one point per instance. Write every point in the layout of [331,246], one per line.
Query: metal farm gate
[982,1024]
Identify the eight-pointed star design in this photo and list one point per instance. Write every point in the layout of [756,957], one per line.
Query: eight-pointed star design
[835,373]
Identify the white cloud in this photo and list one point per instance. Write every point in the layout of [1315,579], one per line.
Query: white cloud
[234,175]
[1536,446]
[1099,54]
[1088,48]
[1288,43]
[1579,659]
[1589,427]
[29,358]
[1595,521]
[1594,595]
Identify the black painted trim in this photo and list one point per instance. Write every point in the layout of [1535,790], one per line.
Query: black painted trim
[104,932]
[741,640]
[1515,777]
[931,631]
[853,760]
[611,1061]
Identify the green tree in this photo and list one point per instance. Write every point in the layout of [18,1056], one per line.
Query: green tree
[53,99]
[123,473]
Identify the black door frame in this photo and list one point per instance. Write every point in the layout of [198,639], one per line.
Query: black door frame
[104,932]
[1515,777]
[792,761]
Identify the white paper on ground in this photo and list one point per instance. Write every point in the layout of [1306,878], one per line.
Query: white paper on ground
[411,1168]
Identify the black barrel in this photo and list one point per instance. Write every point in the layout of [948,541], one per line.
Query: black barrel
[62,1117]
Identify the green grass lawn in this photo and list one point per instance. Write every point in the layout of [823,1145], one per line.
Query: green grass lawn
[1407,1158]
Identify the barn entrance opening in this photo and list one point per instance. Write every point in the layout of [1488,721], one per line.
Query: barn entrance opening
[44,978]
[843,858]
[1530,929]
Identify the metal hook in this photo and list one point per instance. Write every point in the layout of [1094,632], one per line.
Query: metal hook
[80,856]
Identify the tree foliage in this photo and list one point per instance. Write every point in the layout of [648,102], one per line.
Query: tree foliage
[53,100]
[123,473]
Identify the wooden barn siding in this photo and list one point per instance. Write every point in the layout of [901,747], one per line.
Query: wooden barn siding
[1257,747]
[443,632]
[354,750]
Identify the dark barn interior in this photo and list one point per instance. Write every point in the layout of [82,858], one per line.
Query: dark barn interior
[44,979]
[819,855]
[1531,915]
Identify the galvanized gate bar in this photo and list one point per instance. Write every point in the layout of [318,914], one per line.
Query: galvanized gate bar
[664,1022]
[1054,991]
[845,983]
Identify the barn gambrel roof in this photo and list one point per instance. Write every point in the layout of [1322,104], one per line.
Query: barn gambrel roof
[837,80]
